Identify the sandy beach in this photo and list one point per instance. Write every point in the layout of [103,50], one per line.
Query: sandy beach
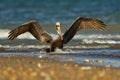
[32,68]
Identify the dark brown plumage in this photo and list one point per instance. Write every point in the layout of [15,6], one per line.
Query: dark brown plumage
[36,30]
[82,23]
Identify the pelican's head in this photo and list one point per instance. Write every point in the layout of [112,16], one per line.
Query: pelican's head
[58,29]
[57,24]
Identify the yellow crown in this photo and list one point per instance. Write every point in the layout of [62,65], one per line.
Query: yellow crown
[57,23]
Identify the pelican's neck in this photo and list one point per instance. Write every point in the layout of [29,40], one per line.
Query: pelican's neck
[59,30]
[60,33]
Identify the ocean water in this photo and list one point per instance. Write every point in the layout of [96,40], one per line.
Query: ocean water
[49,11]
[86,45]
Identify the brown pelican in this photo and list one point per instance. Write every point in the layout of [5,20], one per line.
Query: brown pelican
[41,35]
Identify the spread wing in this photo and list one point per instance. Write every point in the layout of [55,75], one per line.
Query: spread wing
[34,28]
[82,23]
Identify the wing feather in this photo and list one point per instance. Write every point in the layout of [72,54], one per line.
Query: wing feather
[34,28]
[82,23]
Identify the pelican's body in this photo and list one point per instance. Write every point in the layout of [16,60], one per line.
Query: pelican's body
[41,35]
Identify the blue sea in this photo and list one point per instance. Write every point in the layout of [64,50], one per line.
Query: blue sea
[50,11]
[87,44]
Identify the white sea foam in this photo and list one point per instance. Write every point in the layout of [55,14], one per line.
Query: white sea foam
[86,47]
[5,32]
[86,38]
[88,41]
[24,46]
[67,51]
[39,50]
[96,36]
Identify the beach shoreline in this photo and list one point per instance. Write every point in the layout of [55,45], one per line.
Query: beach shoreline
[33,68]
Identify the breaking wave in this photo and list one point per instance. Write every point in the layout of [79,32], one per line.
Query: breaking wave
[84,38]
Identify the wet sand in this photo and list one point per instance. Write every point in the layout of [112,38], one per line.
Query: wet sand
[32,68]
